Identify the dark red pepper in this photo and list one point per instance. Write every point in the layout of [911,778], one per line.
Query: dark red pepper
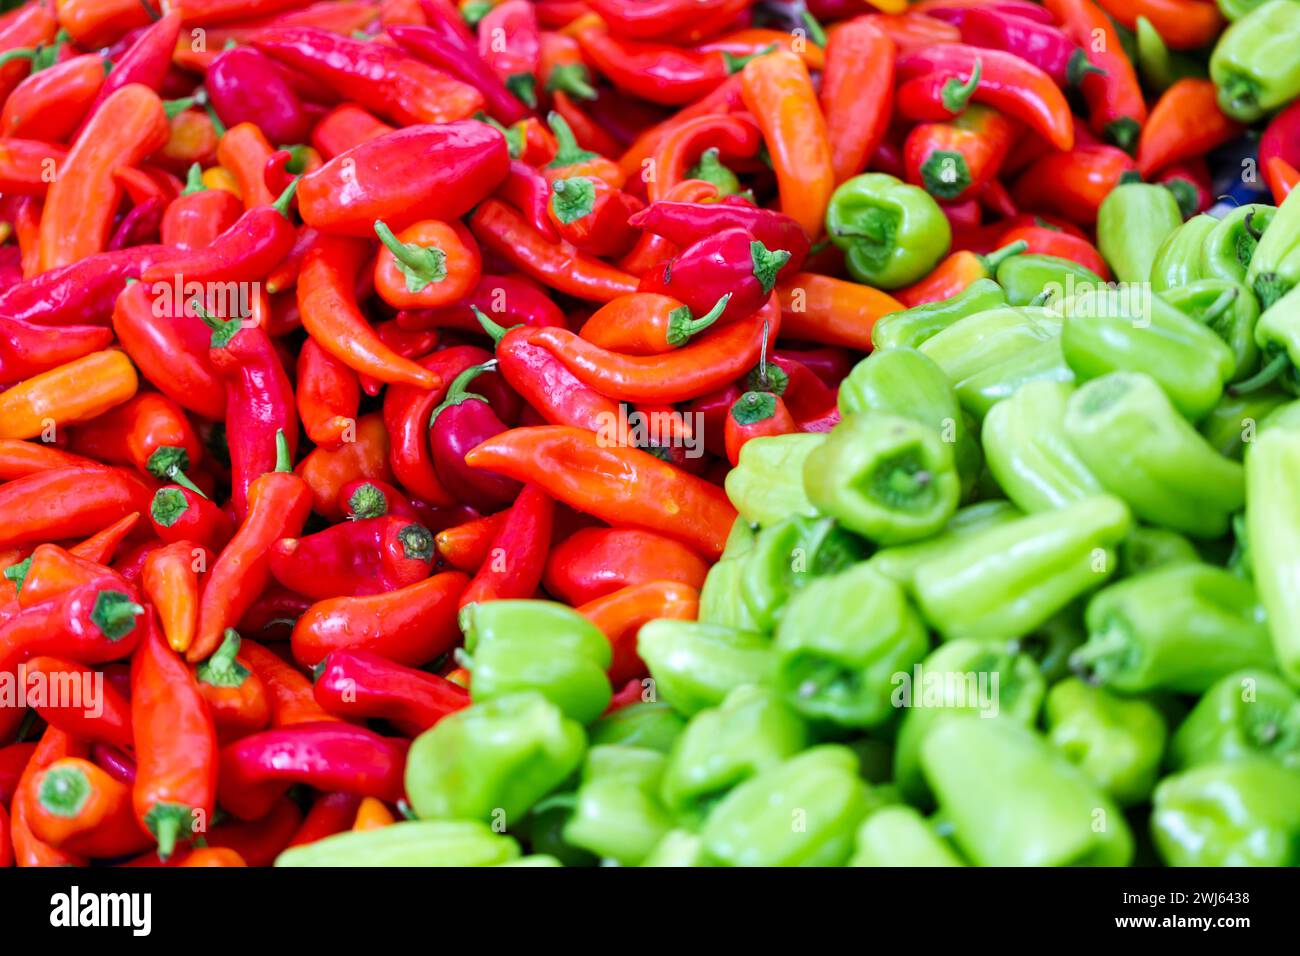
[364,556]
[462,421]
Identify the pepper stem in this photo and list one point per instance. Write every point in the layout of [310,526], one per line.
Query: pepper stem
[568,151]
[458,391]
[221,669]
[283,460]
[999,256]
[571,78]
[735,64]
[767,263]
[367,502]
[1220,305]
[194,181]
[681,326]
[1265,376]
[815,31]
[223,330]
[956,94]
[1079,66]
[494,331]
[524,88]
[282,203]
[114,614]
[422,265]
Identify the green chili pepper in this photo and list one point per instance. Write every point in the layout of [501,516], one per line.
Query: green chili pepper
[904,382]
[1273,528]
[740,539]
[1178,628]
[677,848]
[1275,267]
[1005,581]
[842,640]
[1132,330]
[1146,549]
[911,327]
[1249,713]
[1038,279]
[492,759]
[785,558]
[1230,247]
[1028,453]
[1254,64]
[1229,310]
[989,355]
[900,836]
[696,665]
[1235,421]
[891,233]
[721,599]
[803,812]
[1237,813]
[514,646]
[651,724]
[968,679]
[1116,742]
[1015,801]
[408,843]
[900,563]
[1180,258]
[766,484]
[750,731]
[888,478]
[618,815]
[1161,68]
[1134,219]
[1137,445]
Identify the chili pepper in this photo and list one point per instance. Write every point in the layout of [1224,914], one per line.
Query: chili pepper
[647,323]
[100,547]
[1271,548]
[411,626]
[171,582]
[592,216]
[27,350]
[357,684]
[755,414]
[346,126]
[1038,42]
[466,546]
[381,78]
[1014,801]
[1073,184]
[509,42]
[933,88]
[18,459]
[50,104]
[28,849]
[76,220]
[1044,279]
[595,562]
[573,466]
[67,502]
[516,555]
[1155,474]
[686,223]
[429,264]
[767,483]
[1185,122]
[496,757]
[50,571]
[176,744]
[461,421]
[529,191]
[1184,25]
[195,218]
[1040,240]
[900,836]
[331,813]
[1230,310]
[244,85]
[326,471]
[245,151]
[1250,79]
[954,160]
[617,811]
[289,693]
[731,262]
[1282,178]
[30,27]
[856,95]
[446,45]
[182,514]
[507,234]
[891,233]
[1274,268]
[366,556]
[409,843]
[562,67]
[768,577]
[1251,713]
[328,396]
[149,432]
[654,70]
[26,165]
[956,272]
[909,328]
[373,814]
[394,178]
[408,343]
[1116,107]
[104,717]
[14,759]
[80,809]
[256,770]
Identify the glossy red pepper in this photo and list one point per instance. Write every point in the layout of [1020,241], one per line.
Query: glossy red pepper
[517,555]
[447,45]
[362,556]
[357,684]
[686,223]
[462,420]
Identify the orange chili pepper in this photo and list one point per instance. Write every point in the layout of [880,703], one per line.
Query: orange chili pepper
[912,30]
[857,93]
[1186,121]
[80,809]
[236,696]
[213,856]
[427,265]
[954,274]
[28,848]
[725,99]
[1182,24]
[832,311]
[646,323]
[373,814]
[289,693]
[18,459]
[150,432]
[327,470]
[76,392]
[779,92]
[100,547]
[1282,177]
[80,204]
[621,614]
[244,151]
[97,23]
[54,571]
[755,40]
[171,583]
[1116,107]
[734,136]
[465,547]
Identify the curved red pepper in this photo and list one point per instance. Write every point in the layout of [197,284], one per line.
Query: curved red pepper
[461,421]
[685,223]
[517,555]
[594,562]
[357,684]
[365,556]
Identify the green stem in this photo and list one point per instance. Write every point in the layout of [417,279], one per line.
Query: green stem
[283,460]
[956,95]
[999,256]
[1274,368]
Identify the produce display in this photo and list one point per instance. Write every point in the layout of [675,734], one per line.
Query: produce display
[649,433]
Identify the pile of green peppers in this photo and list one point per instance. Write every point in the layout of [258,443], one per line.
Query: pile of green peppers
[1035,600]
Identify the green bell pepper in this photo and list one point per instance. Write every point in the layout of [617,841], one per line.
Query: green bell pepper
[1116,742]
[491,759]
[1132,330]
[1179,260]
[1004,582]
[969,679]
[1278,336]
[888,478]
[677,848]
[618,815]
[905,383]
[766,484]
[721,599]
[900,836]
[911,327]
[514,646]
[1039,279]
[696,665]
[989,355]
[1146,549]
[1235,421]
[1028,453]
[1275,267]
[1130,436]
[803,812]
[1238,813]
[1177,628]
[891,233]
[1254,64]
[1015,801]
[1273,528]
[408,843]
[900,563]
[1132,222]
[650,724]
[1249,713]
[1229,310]
[786,557]
[750,731]
[1230,247]
[842,640]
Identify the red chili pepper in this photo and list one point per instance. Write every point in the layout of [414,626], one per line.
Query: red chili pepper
[326,470]
[510,44]
[328,395]
[657,71]
[344,127]
[149,432]
[513,298]
[1034,40]
[289,693]
[50,104]
[236,696]
[412,626]
[857,93]
[954,161]
[725,99]
[408,343]
[571,159]
[517,555]
[28,849]
[359,685]
[82,292]
[734,136]
[1116,107]
[180,514]
[67,502]
[331,813]
[754,414]
[594,562]
[101,546]
[427,265]
[444,44]
[278,504]
[364,556]
[466,546]
[81,809]
[592,216]
[27,350]
[1282,178]
[246,86]
[529,191]
[589,132]
[33,25]
[1041,240]
[462,420]
[176,744]
[1073,184]
[1185,122]
[731,261]
[88,712]
[145,62]
[624,486]
[684,20]
[940,81]
[646,323]
[52,571]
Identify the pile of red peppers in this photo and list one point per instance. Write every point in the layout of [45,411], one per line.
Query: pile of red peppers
[320,321]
